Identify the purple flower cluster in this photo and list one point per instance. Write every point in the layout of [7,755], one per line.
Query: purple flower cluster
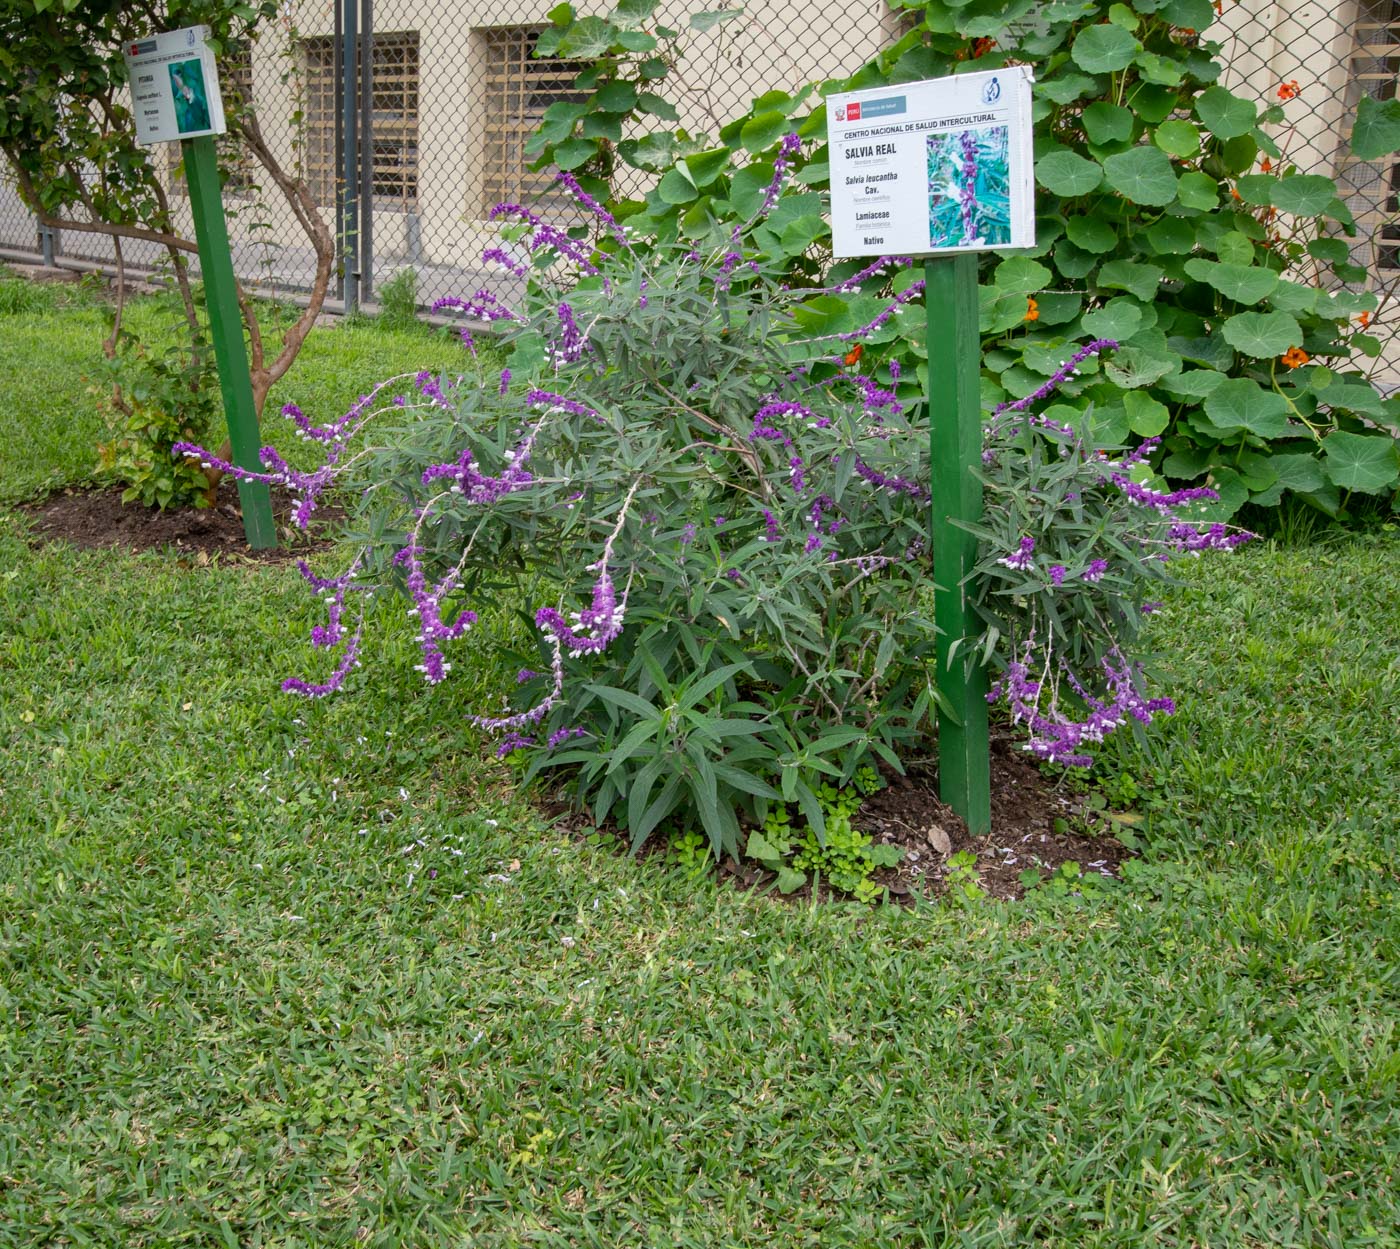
[1189,540]
[1162,501]
[479,488]
[587,202]
[912,291]
[483,306]
[789,148]
[512,742]
[1067,370]
[896,485]
[853,282]
[572,344]
[1056,736]
[1022,558]
[499,255]
[546,237]
[427,606]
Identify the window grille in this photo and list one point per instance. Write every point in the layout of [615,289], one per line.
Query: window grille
[393,138]
[1372,188]
[392,144]
[517,87]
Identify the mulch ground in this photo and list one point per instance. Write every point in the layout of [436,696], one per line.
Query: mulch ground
[1037,822]
[98,518]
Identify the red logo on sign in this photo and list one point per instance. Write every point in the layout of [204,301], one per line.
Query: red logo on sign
[853,112]
[135,49]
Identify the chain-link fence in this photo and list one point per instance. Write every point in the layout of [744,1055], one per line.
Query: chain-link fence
[409,118]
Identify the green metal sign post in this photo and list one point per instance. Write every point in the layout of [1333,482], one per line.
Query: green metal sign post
[955,426]
[226,328]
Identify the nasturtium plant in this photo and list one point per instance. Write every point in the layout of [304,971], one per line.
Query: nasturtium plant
[1170,217]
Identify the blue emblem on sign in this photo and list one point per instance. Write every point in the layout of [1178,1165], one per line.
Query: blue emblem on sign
[991,93]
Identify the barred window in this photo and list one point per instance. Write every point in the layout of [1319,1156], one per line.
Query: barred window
[391,146]
[517,88]
[1372,188]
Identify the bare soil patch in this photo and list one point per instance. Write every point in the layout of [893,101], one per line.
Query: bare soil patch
[1037,822]
[91,518]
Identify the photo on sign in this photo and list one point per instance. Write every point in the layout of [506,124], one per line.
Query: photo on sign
[969,188]
[191,96]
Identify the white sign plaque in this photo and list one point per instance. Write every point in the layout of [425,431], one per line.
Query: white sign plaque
[174,86]
[928,167]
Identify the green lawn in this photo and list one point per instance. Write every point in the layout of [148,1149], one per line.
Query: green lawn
[286,973]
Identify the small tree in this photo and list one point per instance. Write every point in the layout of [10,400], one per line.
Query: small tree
[69,137]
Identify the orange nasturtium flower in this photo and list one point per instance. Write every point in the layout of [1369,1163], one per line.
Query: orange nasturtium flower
[1234,193]
[853,356]
[1363,319]
[980,47]
[1265,165]
[1295,356]
[1287,90]
[1032,309]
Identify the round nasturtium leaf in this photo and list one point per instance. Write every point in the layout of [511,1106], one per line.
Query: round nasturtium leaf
[1365,462]
[1177,138]
[1067,173]
[1142,280]
[1297,470]
[615,97]
[1245,284]
[1104,49]
[1135,366]
[1241,403]
[574,152]
[676,188]
[1262,334]
[1020,275]
[1147,417]
[1304,194]
[1171,236]
[1143,175]
[1108,123]
[1119,320]
[1197,190]
[1235,248]
[1158,69]
[1225,115]
[1093,234]
[1377,129]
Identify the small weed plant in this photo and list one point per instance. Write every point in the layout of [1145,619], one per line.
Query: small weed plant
[149,404]
[840,854]
[711,517]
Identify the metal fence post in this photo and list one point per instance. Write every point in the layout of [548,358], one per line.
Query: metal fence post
[366,250]
[350,156]
[48,244]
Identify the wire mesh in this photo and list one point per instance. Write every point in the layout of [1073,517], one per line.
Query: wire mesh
[450,93]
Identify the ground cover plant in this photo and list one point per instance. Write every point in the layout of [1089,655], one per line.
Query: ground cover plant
[287,973]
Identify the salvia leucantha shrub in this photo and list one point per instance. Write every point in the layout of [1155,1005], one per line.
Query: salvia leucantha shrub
[718,523]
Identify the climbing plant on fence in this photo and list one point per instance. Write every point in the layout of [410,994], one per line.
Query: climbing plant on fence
[1169,220]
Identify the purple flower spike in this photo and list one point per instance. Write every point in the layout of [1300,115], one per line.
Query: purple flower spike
[587,202]
[1022,558]
[1066,370]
